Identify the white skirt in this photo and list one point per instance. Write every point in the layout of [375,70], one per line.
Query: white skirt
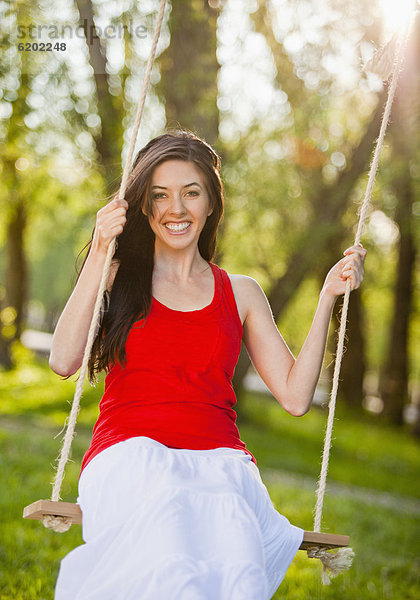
[173,524]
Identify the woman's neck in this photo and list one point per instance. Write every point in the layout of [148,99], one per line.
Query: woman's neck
[178,266]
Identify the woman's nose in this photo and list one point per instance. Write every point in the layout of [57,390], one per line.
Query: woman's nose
[177,205]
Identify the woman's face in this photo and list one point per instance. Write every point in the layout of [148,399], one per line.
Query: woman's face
[180,204]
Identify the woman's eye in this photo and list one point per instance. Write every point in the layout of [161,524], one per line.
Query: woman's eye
[158,195]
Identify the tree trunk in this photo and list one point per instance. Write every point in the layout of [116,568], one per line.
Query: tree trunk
[13,305]
[353,365]
[189,68]
[393,385]
[16,270]
[110,108]
[416,427]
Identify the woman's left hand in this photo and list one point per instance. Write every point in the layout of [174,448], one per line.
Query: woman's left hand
[350,267]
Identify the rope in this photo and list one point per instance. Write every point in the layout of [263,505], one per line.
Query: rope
[61,523]
[334,562]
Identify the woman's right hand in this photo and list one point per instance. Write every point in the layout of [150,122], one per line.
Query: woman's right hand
[110,221]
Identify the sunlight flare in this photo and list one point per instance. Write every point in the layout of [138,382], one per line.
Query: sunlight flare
[396,12]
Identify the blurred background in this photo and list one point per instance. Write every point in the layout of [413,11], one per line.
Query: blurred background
[278,88]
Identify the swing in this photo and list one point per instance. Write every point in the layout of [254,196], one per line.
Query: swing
[60,516]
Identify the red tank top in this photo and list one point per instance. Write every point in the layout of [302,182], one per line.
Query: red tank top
[176,387]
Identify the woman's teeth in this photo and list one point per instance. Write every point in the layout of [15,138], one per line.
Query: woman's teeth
[177,226]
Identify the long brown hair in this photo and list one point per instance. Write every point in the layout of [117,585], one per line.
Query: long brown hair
[131,295]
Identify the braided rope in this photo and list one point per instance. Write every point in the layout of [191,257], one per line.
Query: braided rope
[60,523]
[342,558]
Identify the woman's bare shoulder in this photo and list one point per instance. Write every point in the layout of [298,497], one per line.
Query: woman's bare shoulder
[243,281]
[246,290]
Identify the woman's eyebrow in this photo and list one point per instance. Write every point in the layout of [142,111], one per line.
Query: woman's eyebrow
[188,185]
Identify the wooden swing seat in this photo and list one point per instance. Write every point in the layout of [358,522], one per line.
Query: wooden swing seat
[42,508]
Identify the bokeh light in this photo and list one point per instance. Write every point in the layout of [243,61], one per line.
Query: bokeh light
[396,12]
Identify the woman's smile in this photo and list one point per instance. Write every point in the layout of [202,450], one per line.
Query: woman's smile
[177,228]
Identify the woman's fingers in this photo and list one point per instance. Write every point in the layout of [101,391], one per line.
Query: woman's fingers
[348,268]
[352,265]
[110,221]
[117,202]
[356,249]
[114,205]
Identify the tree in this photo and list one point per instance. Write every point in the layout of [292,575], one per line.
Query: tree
[189,67]
[109,137]
[16,289]
[393,385]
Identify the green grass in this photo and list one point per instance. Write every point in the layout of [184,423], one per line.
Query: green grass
[34,391]
[364,451]
[34,403]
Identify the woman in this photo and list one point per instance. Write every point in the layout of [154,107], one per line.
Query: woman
[173,504]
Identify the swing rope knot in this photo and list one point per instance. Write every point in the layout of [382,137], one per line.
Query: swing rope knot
[58,524]
[333,563]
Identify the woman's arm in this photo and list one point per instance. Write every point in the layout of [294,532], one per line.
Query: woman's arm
[293,381]
[71,332]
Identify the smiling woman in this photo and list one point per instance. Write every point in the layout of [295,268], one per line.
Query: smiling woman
[170,495]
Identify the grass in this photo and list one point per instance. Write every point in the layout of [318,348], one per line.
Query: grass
[364,451]
[34,403]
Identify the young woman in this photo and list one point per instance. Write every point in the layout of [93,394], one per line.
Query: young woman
[173,504]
